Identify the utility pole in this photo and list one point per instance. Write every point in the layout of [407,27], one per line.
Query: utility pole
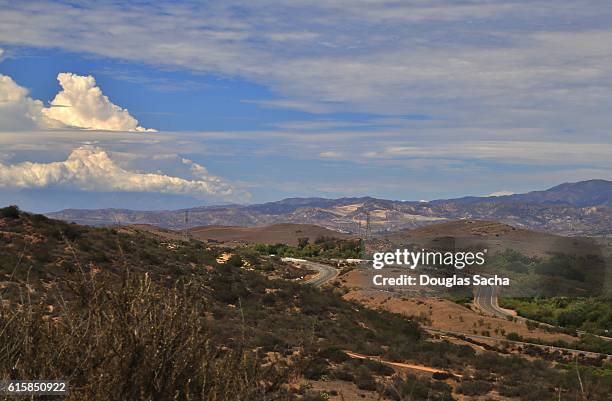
[365,235]
[185,232]
[367,232]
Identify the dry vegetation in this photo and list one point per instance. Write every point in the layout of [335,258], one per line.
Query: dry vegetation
[447,315]
[132,340]
[128,316]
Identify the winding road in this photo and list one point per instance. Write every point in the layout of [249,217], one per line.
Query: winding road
[485,299]
[459,334]
[325,272]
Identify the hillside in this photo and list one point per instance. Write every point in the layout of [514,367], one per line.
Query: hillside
[574,209]
[537,263]
[580,194]
[147,318]
[274,234]
[494,236]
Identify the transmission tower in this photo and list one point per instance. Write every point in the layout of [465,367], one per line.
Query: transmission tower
[185,232]
[365,235]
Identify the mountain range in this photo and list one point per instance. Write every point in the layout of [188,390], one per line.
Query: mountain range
[581,208]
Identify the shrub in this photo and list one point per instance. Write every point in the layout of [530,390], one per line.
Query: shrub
[10,212]
[133,340]
[440,375]
[474,387]
[72,232]
[379,368]
[334,354]
[364,379]
[512,336]
[234,261]
[343,372]
[316,368]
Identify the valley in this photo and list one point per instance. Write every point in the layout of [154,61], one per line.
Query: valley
[294,306]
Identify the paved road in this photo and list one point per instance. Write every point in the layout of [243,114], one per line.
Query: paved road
[326,272]
[485,299]
[546,347]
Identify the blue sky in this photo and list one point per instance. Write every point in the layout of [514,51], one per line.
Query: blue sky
[257,101]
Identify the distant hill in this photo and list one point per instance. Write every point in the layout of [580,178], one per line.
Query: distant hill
[274,234]
[582,208]
[580,194]
[494,236]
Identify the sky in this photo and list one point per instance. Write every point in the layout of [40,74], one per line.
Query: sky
[163,105]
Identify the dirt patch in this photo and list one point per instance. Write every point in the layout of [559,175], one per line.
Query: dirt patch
[339,390]
[353,279]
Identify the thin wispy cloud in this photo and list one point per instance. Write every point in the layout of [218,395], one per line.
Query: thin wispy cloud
[383,57]
[440,92]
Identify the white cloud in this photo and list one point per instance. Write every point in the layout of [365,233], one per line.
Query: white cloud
[330,154]
[448,60]
[81,104]
[384,57]
[201,173]
[528,152]
[90,168]
[19,111]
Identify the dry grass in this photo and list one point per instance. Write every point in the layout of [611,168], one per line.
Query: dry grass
[132,340]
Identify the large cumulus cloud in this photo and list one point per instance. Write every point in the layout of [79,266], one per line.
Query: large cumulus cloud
[19,111]
[90,168]
[80,104]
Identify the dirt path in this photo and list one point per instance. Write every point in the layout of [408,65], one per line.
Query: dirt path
[401,364]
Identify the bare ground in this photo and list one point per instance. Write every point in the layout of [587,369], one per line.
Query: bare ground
[443,314]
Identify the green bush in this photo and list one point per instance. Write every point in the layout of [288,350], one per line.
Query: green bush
[512,336]
[10,212]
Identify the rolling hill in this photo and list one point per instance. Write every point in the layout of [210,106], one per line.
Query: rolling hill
[273,234]
[143,317]
[494,236]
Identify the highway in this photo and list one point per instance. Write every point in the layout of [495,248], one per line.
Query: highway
[523,343]
[485,299]
[325,272]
